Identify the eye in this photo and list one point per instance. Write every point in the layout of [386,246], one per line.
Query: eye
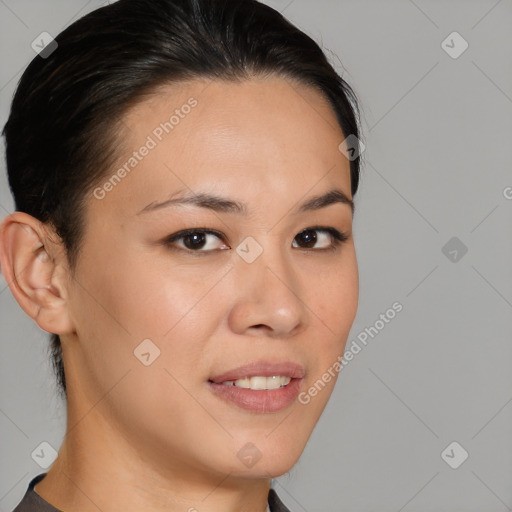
[329,238]
[195,240]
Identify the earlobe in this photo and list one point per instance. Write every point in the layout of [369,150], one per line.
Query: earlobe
[35,271]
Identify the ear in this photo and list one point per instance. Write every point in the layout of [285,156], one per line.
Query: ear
[35,268]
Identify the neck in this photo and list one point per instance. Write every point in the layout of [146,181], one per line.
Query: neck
[98,469]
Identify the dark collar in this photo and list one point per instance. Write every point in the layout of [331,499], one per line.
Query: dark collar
[275,504]
[32,502]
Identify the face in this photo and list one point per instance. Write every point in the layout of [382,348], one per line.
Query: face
[259,286]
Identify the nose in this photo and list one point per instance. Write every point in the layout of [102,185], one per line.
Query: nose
[267,296]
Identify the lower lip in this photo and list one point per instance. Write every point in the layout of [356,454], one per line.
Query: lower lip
[261,400]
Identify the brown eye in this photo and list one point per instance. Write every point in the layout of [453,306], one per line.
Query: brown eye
[307,237]
[328,238]
[196,240]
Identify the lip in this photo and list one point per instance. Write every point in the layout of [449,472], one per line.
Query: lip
[259,401]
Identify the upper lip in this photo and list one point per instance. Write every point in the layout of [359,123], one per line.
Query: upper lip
[261,368]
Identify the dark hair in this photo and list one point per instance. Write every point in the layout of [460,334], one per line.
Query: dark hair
[60,135]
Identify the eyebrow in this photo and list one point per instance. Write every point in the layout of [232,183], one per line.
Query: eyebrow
[224,205]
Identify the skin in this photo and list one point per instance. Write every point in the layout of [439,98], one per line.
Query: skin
[155,437]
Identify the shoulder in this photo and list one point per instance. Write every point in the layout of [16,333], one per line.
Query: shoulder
[32,502]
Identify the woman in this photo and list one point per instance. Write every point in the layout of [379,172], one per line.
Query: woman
[183,173]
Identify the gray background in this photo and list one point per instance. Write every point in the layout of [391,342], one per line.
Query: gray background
[437,163]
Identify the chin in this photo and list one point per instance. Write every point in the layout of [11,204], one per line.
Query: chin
[267,457]
[274,469]
[264,470]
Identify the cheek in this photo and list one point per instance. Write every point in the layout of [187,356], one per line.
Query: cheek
[144,295]
[334,307]
[132,301]
[117,303]
[176,307]
[335,297]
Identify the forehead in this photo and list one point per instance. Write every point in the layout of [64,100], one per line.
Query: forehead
[268,135]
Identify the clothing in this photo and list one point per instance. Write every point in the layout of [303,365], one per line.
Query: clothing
[32,502]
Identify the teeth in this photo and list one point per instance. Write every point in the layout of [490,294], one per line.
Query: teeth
[256,383]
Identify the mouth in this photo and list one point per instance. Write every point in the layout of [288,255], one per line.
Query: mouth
[259,382]
[260,387]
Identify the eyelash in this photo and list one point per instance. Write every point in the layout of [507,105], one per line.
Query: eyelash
[338,237]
